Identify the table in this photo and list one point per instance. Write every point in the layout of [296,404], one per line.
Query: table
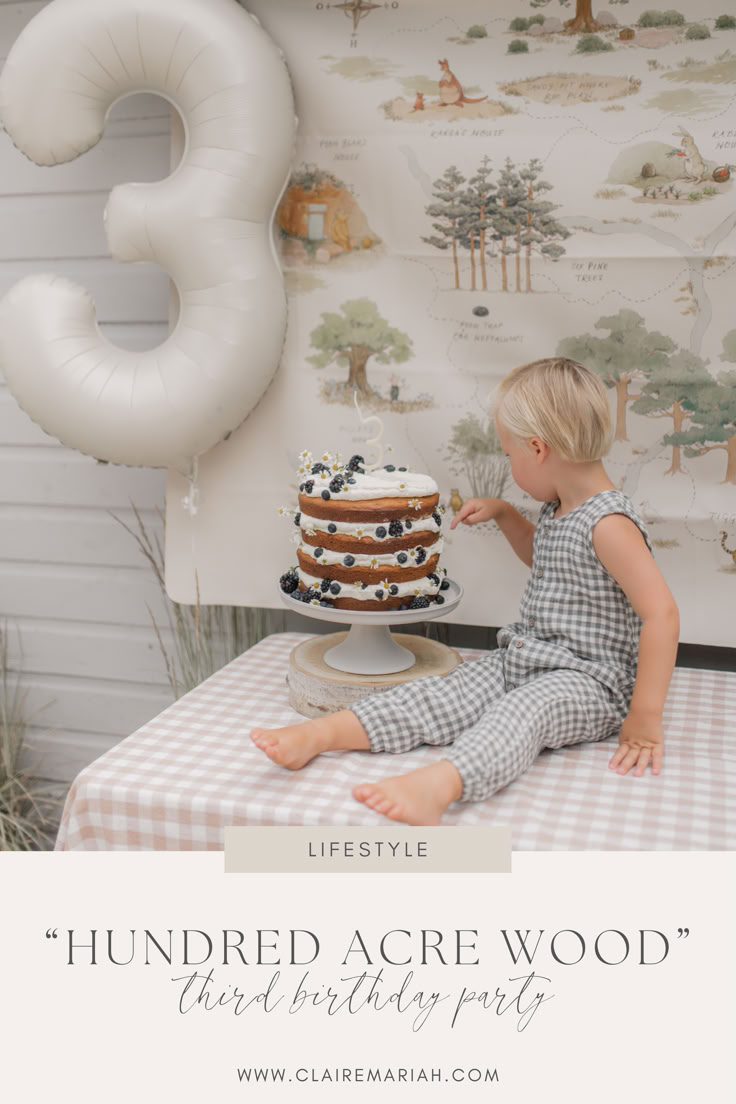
[185,775]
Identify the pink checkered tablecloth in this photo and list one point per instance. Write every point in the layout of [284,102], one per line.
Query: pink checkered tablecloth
[176,783]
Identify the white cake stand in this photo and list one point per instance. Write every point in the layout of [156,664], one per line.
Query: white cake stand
[369,648]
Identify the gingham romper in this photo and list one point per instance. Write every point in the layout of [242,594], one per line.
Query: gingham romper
[563,674]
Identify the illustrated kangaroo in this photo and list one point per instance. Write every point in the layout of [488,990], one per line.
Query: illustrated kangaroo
[451,91]
[731,551]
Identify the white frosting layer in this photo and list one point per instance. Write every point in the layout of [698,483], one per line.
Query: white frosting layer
[358,530]
[375,484]
[385,559]
[423,586]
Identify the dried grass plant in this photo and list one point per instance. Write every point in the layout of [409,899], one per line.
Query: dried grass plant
[205,637]
[27,806]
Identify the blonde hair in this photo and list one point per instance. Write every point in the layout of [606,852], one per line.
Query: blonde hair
[560,401]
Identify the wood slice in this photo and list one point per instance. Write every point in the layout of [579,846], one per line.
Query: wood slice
[316,689]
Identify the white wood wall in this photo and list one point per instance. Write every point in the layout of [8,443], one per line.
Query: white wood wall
[72,582]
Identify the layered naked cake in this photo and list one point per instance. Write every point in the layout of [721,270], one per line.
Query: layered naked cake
[368,540]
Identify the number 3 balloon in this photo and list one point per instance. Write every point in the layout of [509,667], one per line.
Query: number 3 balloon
[208,224]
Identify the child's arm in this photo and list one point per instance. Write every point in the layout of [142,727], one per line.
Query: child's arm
[518,531]
[622,550]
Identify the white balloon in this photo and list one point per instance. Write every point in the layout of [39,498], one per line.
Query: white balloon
[208,224]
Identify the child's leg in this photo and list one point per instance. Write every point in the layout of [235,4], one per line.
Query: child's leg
[552,711]
[563,707]
[430,710]
[433,710]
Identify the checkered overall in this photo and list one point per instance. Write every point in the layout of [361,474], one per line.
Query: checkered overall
[563,674]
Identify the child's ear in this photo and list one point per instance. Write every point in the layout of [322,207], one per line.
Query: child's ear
[539,448]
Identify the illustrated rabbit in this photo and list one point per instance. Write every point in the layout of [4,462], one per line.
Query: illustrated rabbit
[694,166]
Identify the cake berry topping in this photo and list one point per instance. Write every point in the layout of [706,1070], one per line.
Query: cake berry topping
[349,561]
[435,579]
[337,484]
[325,495]
[380,532]
[351,480]
[402,469]
[437,518]
[335,588]
[332,528]
[309,486]
[396,529]
[421,554]
[389,467]
[325,585]
[301,486]
[407,524]
[380,594]
[419,602]
[393,589]
[439,599]
[289,582]
[318,552]
[402,557]
[354,463]
[445,584]
[316,468]
[297,517]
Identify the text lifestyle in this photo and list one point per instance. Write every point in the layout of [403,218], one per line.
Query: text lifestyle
[367,849]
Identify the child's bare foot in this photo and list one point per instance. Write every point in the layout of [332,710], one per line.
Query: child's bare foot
[420,797]
[294,745]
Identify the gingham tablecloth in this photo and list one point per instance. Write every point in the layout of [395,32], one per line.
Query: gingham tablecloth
[177,782]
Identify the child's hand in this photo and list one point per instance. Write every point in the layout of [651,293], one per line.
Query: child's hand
[475,510]
[641,741]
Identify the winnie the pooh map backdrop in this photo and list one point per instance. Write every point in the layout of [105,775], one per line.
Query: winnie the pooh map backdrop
[475,186]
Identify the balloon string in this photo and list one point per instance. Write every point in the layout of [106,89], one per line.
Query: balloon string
[190,502]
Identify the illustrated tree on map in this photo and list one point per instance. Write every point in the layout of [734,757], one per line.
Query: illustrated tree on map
[480,201]
[675,388]
[352,338]
[713,424]
[508,215]
[449,210]
[475,452]
[583,20]
[628,354]
[506,225]
[538,231]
